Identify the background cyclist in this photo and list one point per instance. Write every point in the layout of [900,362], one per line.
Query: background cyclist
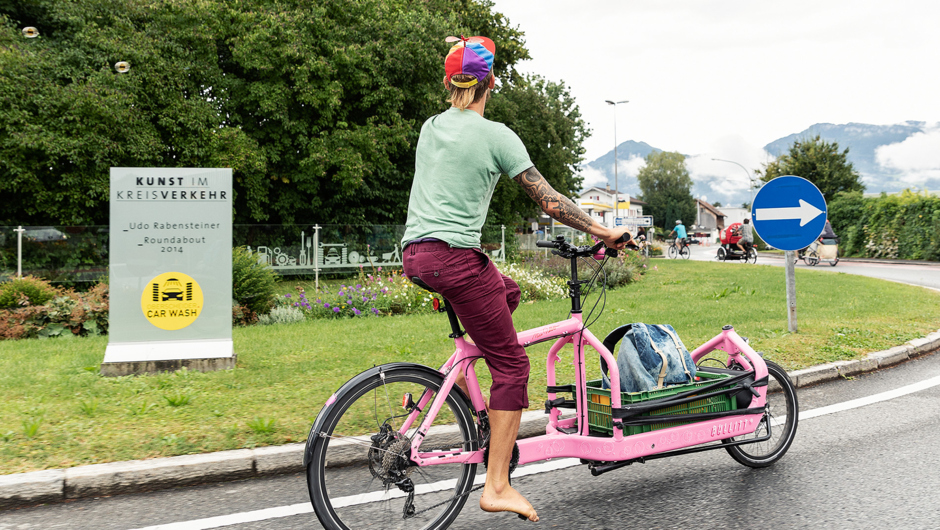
[746,231]
[459,158]
[679,231]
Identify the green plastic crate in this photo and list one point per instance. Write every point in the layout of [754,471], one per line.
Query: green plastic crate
[599,419]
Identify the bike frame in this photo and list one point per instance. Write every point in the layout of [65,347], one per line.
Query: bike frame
[561,439]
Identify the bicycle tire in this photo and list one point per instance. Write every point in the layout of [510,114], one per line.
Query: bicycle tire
[722,254]
[811,258]
[751,256]
[832,262]
[360,468]
[781,395]
[673,252]
[685,252]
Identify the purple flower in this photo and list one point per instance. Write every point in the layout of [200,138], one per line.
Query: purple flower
[356,312]
[363,298]
[336,310]
[319,301]
[326,305]
[296,304]
[358,286]
[376,311]
[287,295]
[373,297]
[341,292]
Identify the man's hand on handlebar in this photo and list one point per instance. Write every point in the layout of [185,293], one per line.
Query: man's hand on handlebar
[618,239]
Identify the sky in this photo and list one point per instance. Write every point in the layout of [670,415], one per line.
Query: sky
[722,78]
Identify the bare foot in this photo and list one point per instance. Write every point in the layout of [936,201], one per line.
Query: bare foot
[509,500]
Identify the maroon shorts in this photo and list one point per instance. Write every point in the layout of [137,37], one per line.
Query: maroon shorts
[484,300]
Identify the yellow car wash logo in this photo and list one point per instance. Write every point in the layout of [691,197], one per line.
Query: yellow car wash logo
[172,300]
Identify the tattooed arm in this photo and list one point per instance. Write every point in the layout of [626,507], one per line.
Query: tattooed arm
[560,208]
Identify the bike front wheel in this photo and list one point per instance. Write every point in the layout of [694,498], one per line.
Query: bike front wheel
[359,473]
[781,416]
[685,252]
[673,252]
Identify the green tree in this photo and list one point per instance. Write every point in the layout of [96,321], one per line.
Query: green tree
[665,185]
[548,122]
[819,162]
[316,105]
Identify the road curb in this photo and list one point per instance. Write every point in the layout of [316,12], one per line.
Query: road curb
[95,480]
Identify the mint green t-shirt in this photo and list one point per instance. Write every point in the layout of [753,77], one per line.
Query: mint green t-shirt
[459,159]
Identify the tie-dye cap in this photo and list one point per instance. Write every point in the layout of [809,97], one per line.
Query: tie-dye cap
[470,56]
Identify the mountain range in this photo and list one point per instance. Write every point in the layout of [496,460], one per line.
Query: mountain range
[863,141]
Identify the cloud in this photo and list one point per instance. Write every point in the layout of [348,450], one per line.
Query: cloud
[917,157]
[631,167]
[592,177]
[726,172]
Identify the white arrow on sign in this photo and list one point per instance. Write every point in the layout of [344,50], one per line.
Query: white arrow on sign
[805,212]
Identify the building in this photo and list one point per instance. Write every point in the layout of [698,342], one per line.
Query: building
[599,204]
[735,215]
[708,218]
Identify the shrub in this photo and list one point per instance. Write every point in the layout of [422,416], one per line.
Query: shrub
[69,313]
[534,283]
[282,315]
[253,283]
[385,292]
[25,291]
[628,267]
[242,316]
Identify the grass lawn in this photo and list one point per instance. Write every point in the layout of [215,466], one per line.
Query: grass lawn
[58,412]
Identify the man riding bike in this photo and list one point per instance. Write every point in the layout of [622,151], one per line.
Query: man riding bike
[746,231]
[459,158]
[679,231]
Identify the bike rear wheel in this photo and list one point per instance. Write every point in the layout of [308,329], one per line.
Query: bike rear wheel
[751,256]
[359,469]
[685,252]
[782,411]
[673,252]
[811,258]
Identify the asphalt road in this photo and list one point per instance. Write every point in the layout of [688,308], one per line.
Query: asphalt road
[869,466]
[922,274]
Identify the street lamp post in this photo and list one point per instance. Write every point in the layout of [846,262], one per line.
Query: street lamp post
[746,172]
[616,180]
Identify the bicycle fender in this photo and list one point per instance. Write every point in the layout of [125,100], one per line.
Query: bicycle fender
[348,386]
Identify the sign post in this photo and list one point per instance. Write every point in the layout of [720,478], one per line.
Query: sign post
[170,271]
[789,213]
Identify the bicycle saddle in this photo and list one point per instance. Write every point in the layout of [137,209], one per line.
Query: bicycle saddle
[420,283]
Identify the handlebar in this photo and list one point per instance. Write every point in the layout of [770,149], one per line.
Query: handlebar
[568,251]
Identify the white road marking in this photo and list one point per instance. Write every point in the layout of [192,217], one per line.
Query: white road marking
[532,469]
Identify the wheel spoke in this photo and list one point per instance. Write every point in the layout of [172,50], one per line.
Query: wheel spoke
[780,419]
[360,473]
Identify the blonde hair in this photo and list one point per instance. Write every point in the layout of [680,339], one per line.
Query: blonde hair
[464,97]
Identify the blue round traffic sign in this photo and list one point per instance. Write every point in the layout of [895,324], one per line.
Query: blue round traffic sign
[789,212]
